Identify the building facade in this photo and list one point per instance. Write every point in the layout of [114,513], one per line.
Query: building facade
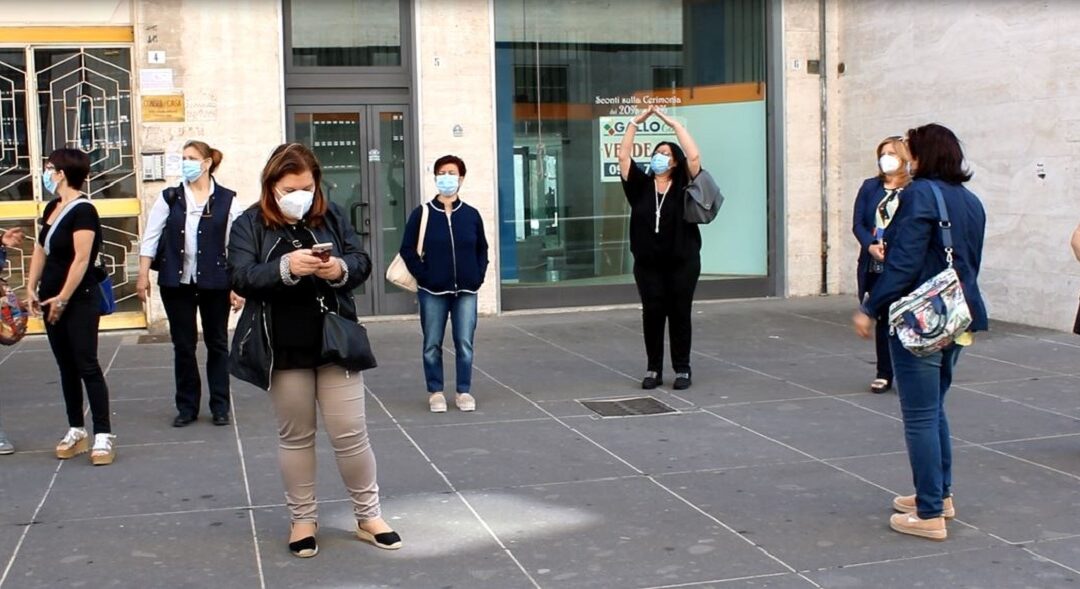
[534,96]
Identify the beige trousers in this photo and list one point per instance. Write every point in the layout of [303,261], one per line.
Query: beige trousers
[340,397]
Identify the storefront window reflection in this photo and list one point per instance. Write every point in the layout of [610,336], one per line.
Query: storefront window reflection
[569,75]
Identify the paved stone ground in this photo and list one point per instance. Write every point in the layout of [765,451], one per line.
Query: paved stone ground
[776,471]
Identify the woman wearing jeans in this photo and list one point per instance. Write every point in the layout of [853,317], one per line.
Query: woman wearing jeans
[63,285]
[289,285]
[448,276]
[915,254]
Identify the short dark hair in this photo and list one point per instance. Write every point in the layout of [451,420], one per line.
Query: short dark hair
[938,154]
[449,159]
[74,163]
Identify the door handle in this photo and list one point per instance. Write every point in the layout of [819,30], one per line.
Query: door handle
[360,222]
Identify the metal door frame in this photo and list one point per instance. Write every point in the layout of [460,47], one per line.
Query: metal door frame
[30,210]
[376,298]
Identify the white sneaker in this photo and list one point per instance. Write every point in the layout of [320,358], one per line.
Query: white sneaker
[6,447]
[76,441]
[465,402]
[103,453]
[437,403]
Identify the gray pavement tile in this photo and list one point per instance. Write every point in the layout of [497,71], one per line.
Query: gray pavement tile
[972,368]
[144,355]
[153,384]
[569,408]
[718,383]
[979,418]
[559,379]
[513,454]
[826,374]
[23,480]
[147,480]
[193,550]
[994,567]
[810,515]
[1065,551]
[887,403]
[443,546]
[1034,353]
[1062,453]
[1056,393]
[811,425]
[680,442]
[402,470]
[627,533]
[493,403]
[1012,499]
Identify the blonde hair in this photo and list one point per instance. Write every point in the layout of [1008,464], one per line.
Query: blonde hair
[902,153]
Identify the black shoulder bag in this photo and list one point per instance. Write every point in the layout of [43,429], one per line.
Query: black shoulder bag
[344,341]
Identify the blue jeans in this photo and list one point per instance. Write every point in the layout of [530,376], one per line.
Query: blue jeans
[434,309]
[922,384]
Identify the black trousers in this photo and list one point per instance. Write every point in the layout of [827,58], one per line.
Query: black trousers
[881,339]
[74,342]
[667,296]
[181,305]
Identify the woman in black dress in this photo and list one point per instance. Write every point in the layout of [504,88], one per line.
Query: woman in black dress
[666,249]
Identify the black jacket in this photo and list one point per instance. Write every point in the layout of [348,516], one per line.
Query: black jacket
[254,263]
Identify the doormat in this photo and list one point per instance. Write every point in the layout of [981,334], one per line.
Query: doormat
[628,406]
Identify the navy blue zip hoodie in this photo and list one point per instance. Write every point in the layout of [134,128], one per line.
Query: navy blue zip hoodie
[455,249]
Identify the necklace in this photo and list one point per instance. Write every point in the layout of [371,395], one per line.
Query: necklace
[660,196]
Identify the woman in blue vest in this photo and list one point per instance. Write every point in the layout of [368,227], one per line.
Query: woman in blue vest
[185,240]
[448,277]
[916,254]
[875,206]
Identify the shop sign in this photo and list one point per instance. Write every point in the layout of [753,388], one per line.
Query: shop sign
[649,134]
[163,108]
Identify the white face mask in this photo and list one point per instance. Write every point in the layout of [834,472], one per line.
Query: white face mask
[296,204]
[889,164]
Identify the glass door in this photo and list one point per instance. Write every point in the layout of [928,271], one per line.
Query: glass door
[55,97]
[364,153]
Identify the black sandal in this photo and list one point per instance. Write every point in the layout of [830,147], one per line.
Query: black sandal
[305,547]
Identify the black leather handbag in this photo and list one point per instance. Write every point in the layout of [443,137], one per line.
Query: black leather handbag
[345,342]
[1076,323]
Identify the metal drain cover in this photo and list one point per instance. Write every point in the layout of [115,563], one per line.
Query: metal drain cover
[627,406]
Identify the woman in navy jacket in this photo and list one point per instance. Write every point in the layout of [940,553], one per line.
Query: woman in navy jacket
[916,253]
[448,276]
[874,208]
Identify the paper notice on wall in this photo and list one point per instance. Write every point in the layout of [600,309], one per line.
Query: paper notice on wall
[649,134]
[174,158]
[157,80]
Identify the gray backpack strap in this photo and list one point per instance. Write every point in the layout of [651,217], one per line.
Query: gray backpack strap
[60,217]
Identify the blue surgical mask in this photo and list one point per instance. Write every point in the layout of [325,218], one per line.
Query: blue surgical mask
[49,182]
[660,163]
[191,170]
[447,184]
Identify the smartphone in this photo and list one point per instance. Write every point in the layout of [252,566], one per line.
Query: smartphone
[322,251]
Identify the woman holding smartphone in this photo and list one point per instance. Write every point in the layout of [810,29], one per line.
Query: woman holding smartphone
[294,257]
